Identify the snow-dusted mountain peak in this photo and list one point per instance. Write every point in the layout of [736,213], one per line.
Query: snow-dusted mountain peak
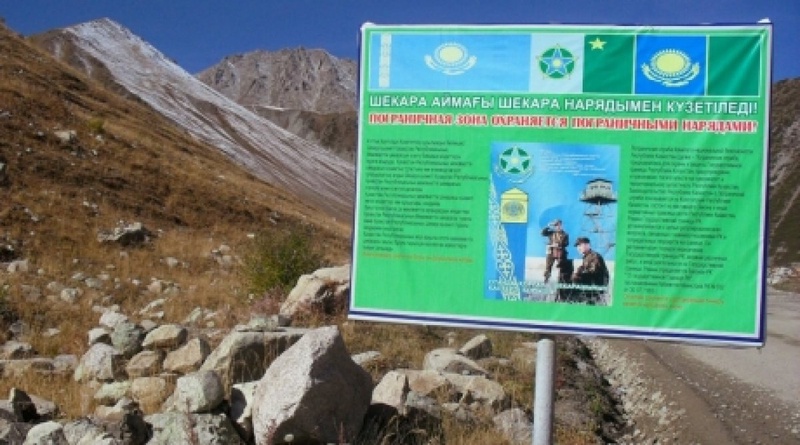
[271,153]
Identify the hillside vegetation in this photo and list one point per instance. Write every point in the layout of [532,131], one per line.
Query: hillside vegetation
[122,162]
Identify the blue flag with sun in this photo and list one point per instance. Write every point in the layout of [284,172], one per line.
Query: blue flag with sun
[672,65]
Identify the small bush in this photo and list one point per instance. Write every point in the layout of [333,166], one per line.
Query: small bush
[277,260]
[96,125]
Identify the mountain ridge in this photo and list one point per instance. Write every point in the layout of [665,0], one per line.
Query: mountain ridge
[305,91]
[269,152]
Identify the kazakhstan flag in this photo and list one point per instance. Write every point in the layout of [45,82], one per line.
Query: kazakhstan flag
[671,65]
[449,61]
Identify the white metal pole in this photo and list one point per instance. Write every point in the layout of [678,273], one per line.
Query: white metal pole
[544,392]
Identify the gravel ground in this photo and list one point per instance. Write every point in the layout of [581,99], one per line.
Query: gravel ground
[682,394]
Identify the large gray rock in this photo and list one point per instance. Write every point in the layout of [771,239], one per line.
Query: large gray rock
[477,347]
[127,338]
[15,350]
[200,392]
[241,411]
[126,235]
[85,432]
[99,335]
[467,388]
[101,362]
[312,392]
[166,337]
[144,364]
[47,433]
[244,355]
[479,389]
[111,393]
[515,425]
[12,432]
[448,360]
[392,390]
[424,382]
[150,392]
[173,428]
[326,290]
[23,367]
[110,319]
[188,358]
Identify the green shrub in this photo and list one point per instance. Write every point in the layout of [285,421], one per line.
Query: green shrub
[96,125]
[277,259]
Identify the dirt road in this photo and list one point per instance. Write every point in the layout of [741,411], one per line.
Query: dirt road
[683,394]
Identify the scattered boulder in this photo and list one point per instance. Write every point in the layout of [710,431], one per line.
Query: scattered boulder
[241,411]
[99,335]
[477,348]
[111,393]
[110,319]
[126,235]
[145,364]
[325,291]
[85,432]
[102,363]
[314,379]
[448,360]
[244,355]
[18,266]
[66,136]
[47,433]
[12,432]
[515,425]
[188,358]
[150,392]
[182,428]
[166,337]
[22,367]
[392,391]
[200,392]
[127,338]
[22,405]
[15,350]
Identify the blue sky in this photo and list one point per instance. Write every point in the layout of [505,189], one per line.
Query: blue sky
[199,33]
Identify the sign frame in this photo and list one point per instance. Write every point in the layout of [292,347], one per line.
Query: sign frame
[456,168]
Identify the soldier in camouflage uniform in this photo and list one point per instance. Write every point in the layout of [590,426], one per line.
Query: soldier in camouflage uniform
[592,272]
[557,242]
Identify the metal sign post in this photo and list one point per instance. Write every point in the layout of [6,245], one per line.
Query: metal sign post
[544,391]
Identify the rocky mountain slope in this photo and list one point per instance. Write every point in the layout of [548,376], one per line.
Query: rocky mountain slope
[307,92]
[784,195]
[276,156]
[296,79]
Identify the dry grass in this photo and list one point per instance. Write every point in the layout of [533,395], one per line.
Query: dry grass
[126,163]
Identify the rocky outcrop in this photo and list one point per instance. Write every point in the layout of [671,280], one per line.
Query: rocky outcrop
[262,384]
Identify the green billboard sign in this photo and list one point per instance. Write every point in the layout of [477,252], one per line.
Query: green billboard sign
[603,180]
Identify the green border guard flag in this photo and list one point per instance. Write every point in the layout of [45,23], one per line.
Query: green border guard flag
[601,180]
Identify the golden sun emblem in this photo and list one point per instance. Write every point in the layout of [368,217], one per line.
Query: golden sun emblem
[671,68]
[451,58]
